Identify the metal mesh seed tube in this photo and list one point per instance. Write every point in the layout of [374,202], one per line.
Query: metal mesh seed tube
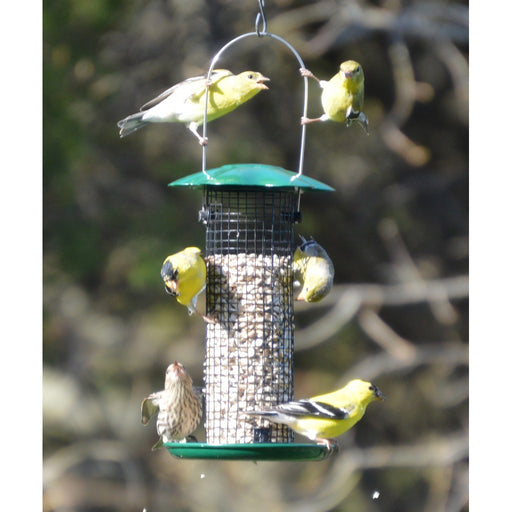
[249,297]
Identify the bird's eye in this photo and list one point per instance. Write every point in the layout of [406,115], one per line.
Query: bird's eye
[358,69]
[250,76]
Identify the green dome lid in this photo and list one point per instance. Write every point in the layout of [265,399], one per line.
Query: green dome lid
[250,175]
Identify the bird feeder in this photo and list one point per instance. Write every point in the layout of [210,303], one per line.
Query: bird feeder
[249,211]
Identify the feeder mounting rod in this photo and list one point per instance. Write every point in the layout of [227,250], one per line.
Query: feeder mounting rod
[305,80]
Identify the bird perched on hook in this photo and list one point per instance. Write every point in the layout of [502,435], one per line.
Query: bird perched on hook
[185,101]
[179,407]
[325,417]
[342,96]
[313,271]
[184,276]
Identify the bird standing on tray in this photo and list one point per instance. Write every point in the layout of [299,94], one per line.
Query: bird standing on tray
[342,95]
[184,276]
[185,101]
[313,271]
[325,417]
[179,407]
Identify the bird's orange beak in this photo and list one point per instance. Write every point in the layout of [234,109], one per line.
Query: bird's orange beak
[171,287]
[261,80]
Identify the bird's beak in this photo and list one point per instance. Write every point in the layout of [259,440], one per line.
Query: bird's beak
[171,287]
[379,395]
[178,368]
[348,74]
[261,80]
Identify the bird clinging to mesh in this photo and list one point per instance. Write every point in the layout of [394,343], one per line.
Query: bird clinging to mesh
[184,276]
[313,271]
[179,407]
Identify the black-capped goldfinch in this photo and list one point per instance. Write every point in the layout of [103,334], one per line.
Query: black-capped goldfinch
[179,407]
[325,417]
[184,276]
[342,95]
[185,101]
[313,271]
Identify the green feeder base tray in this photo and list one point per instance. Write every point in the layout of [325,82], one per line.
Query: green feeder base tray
[255,451]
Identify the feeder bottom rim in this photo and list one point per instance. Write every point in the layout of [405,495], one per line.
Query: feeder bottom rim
[249,451]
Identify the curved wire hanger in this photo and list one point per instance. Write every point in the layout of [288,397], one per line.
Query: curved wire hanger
[260,31]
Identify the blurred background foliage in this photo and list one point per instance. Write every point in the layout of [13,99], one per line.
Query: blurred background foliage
[396,229]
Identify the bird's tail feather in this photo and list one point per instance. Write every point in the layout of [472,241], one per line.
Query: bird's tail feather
[261,413]
[130,124]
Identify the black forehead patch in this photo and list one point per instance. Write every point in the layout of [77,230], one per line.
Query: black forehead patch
[168,271]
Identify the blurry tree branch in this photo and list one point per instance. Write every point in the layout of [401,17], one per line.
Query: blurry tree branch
[348,466]
[74,459]
[407,271]
[458,66]
[343,22]
[346,301]
[449,354]
[407,92]
[373,325]
[421,20]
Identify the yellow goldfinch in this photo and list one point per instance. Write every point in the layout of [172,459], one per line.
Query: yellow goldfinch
[325,417]
[184,276]
[342,96]
[179,407]
[313,271]
[185,101]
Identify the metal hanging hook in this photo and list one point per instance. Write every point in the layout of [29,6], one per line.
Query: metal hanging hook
[261,19]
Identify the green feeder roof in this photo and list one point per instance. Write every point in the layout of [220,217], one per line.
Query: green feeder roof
[250,175]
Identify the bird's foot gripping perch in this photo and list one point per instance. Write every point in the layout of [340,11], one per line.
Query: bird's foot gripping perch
[203,141]
[308,74]
[332,445]
[208,319]
[308,120]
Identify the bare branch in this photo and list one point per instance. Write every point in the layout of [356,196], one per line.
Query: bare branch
[384,336]
[405,97]
[349,20]
[448,354]
[407,271]
[345,472]
[346,301]
[72,457]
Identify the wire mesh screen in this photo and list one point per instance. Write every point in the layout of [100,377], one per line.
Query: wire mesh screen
[249,295]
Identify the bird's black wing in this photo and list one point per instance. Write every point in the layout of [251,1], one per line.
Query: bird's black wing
[311,408]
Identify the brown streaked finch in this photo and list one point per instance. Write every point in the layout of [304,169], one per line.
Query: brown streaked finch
[179,407]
